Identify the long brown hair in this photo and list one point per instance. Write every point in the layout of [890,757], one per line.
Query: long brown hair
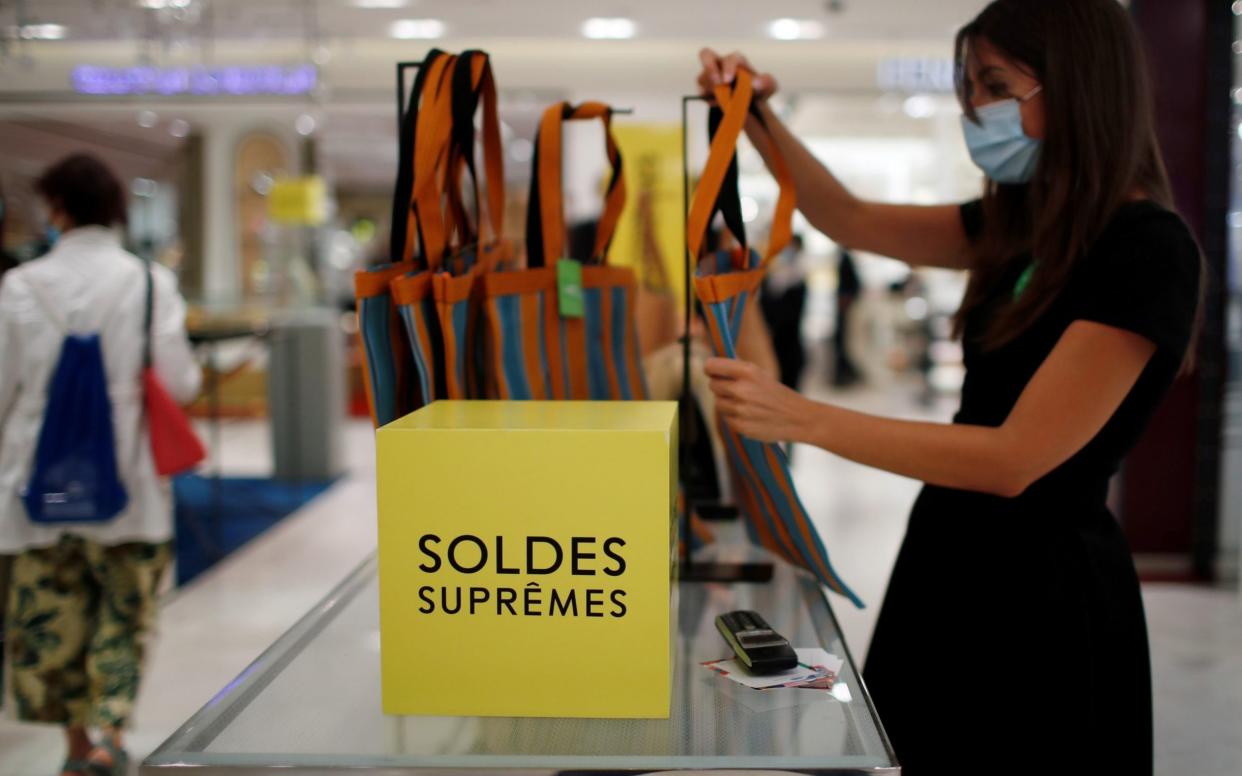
[1099,149]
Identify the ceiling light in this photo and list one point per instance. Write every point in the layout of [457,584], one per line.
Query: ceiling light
[372,5]
[147,119]
[160,5]
[795,29]
[416,29]
[178,127]
[41,31]
[919,106]
[604,28]
[304,124]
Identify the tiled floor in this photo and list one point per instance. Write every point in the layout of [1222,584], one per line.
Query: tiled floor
[211,630]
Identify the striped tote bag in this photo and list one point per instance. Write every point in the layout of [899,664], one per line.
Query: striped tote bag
[725,281]
[538,349]
[440,302]
[394,383]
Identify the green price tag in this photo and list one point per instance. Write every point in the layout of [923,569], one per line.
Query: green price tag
[569,289]
[1024,280]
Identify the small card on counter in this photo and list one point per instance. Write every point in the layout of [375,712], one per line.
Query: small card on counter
[817,669]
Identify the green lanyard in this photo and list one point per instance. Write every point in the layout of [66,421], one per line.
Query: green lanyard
[1023,281]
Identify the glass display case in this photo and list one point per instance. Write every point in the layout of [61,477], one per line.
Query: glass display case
[311,704]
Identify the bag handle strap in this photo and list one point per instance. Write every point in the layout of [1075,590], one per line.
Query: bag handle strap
[717,186]
[148,315]
[545,215]
[404,224]
[473,83]
[432,134]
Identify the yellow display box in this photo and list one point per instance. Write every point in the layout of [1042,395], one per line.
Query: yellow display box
[527,559]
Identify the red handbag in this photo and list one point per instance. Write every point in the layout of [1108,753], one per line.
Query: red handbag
[175,447]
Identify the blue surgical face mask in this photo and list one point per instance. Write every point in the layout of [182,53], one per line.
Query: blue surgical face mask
[997,143]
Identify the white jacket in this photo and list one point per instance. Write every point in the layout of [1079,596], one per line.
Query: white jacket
[89,282]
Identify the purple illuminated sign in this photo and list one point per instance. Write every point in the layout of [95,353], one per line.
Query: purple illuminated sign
[198,81]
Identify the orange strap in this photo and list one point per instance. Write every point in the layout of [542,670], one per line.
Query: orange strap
[403,205]
[551,208]
[493,155]
[736,103]
[457,226]
[483,84]
[430,157]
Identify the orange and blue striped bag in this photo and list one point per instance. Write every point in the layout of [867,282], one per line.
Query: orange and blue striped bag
[412,290]
[536,351]
[457,287]
[395,385]
[441,302]
[725,281]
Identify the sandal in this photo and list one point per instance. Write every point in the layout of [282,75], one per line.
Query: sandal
[119,766]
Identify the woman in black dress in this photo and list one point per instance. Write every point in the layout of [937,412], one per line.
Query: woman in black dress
[1014,579]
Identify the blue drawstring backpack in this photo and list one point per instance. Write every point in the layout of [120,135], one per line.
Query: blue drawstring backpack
[75,477]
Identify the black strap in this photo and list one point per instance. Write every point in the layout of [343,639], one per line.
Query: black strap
[422,254]
[404,190]
[148,316]
[534,212]
[728,200]
[465,104]
[618,165]
[534,220]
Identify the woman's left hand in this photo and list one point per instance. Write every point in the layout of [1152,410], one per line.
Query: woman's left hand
[755,404]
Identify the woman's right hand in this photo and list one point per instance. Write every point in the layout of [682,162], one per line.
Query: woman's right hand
[718,69]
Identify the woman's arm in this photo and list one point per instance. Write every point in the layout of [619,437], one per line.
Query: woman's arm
[1072,395]
[917,235]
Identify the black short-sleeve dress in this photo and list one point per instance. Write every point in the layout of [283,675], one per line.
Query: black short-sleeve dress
[1012,636]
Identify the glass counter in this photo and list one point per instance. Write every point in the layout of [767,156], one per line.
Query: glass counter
[311,704]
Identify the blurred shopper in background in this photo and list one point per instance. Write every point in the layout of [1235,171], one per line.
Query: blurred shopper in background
[82,598]
[1083,301]
[876,337]
[849,287]
[782,300]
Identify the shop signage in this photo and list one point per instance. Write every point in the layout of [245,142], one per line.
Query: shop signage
[527,559]
[915,74]
[302,200]
[196,81]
